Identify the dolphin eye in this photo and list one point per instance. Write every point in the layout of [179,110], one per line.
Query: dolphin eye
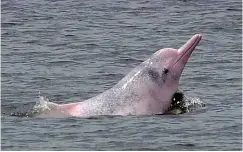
[165,71]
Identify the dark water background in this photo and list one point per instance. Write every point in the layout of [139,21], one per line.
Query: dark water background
[72,50]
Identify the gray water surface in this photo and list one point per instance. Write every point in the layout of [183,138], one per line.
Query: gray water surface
[72,50]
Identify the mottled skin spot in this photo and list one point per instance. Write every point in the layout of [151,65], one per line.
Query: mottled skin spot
[154,75]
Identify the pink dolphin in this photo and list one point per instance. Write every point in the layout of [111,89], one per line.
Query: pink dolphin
[146,90]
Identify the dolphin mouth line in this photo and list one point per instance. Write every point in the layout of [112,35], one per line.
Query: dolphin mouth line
[190,49]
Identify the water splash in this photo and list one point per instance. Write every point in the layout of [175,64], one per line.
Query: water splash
[40,107]
[183,104]
[193,103]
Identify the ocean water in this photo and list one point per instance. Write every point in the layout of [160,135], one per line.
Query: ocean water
[72,50]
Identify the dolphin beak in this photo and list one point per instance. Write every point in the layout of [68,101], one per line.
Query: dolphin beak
[186,50]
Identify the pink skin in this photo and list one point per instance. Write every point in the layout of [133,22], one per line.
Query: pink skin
[151,97]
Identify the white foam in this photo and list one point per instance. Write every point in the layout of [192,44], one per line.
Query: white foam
[193,103]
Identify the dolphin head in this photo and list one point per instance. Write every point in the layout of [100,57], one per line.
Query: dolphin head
[165,67]
[169,62]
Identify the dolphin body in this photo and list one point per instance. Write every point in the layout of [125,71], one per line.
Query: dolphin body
[147,90]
